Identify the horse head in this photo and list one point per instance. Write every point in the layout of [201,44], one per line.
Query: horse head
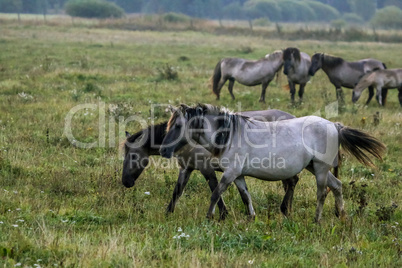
[291,56]
[316,63]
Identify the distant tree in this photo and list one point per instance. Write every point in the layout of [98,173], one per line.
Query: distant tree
[93,9]
[264,8]
[388,17]
[10,6]
[129,6]
[364,8]
[322,11]
[234,11]
[292,10]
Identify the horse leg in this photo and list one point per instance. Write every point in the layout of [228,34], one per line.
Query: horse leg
[230,87]
[321,171]
[301,91]
[245,196]
[292,91]
[289,186]
[400,95]
[379,95]
[384,93]
[339,95]
[371,94]
[264,88]
[222,186]
[210,176]
[219,87]
[184,175]
[335,186]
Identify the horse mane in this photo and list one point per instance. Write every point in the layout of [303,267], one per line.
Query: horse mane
[288,52]
[153,134]
[331,61]
[274,55]
[227,121]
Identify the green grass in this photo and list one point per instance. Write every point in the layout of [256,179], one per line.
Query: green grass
[71,208]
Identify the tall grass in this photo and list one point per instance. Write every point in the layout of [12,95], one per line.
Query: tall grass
[63,205]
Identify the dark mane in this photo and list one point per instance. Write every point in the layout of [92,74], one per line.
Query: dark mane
[227,121]
[288,52]
[331,61]
[153,135]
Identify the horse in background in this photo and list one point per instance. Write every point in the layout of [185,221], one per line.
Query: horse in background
[343,73]
[246,72]
[296,66]
[382,80]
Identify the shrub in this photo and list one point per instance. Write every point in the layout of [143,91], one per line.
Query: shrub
[93,9]
[261,22]
[175,17]
[352,18]
[338,24]
[388,17]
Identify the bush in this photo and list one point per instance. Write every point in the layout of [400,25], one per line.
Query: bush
[93,9]
[323,12]
[175,17]
[352,18]
[388,17]
[338,24]
[261,22]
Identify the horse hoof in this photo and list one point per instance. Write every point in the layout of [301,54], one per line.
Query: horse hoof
[223,215]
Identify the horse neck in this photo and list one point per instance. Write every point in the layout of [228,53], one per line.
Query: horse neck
[276,63]
[154,136]
[329,63]
[365,82]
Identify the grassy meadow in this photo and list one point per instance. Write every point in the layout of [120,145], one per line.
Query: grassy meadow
[65,206]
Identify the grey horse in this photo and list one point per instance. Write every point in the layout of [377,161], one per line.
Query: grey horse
[342,73]
[246,72]
[139,146]
[295,67]
[269,150]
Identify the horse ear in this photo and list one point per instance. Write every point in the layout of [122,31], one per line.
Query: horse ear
[198,113]
[127,134]
[171,109]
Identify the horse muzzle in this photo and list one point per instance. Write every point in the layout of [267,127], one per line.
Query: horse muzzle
[166,152]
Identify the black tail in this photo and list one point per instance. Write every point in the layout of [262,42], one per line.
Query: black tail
[385,66]
[356,142]
[216,77]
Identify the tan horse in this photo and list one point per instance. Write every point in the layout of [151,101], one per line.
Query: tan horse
[380,79]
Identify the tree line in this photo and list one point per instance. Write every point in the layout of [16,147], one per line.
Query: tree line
[272,10]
